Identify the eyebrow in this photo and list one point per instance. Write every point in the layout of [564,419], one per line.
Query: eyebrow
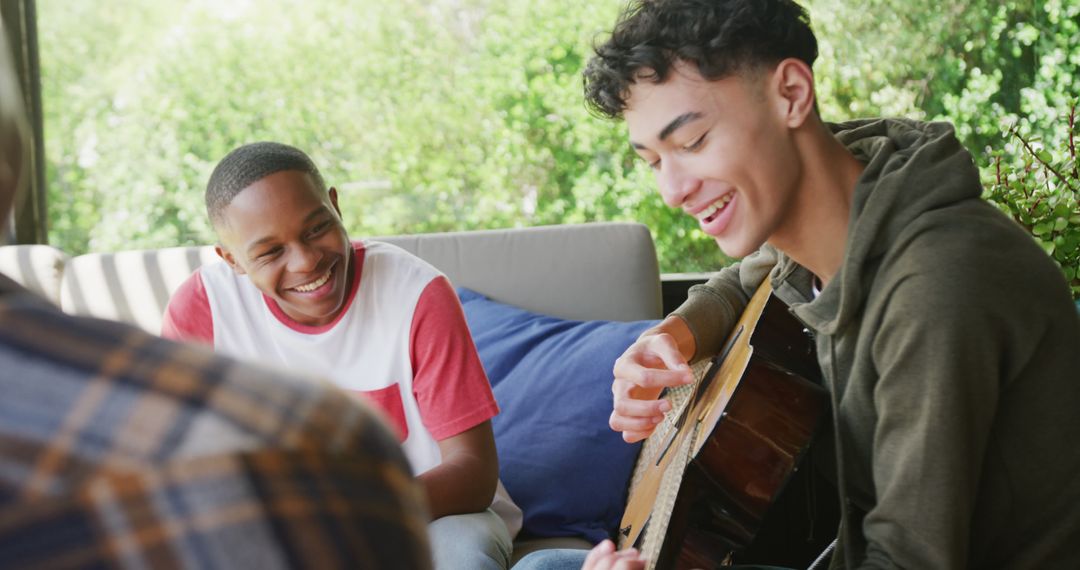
[671,127]
[678,122]
[255,244]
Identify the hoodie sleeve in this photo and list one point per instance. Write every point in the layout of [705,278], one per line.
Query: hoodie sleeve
[712,308]
[935,399]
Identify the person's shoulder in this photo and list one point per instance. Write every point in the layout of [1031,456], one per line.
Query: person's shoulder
[388,258]
[215,274]
[970,256]
[232,398]
[188,418]
[372,248]
[968,241]
[191,288]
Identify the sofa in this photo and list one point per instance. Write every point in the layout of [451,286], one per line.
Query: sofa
[549,307]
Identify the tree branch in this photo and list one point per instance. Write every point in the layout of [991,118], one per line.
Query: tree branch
[1045,164]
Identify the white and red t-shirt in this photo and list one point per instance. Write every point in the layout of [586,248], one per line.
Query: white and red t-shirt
[401,341]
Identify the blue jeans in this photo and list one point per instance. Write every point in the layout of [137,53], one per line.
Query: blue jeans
[553,559]
[472,541]
[569,559]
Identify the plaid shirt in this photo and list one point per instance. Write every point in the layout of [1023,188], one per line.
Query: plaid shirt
[120,449]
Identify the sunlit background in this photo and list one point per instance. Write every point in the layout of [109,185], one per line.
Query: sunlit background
[462,114]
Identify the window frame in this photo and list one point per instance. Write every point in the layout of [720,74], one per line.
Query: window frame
[29,221]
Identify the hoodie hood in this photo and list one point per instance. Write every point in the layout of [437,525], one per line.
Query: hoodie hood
[912,168]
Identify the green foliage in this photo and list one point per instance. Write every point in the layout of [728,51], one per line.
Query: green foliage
[1038,185]
[432,115]
[427,115]
[1001,71]
[978,65]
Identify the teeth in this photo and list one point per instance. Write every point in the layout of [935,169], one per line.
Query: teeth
[314,284]
[714,207]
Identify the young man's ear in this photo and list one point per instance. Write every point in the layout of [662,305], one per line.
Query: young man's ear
[228,257]
[794,84]
[333,201]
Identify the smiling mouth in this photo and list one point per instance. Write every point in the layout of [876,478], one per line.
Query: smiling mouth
[709,214]
[309,287]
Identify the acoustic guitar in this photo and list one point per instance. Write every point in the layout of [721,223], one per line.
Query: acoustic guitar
[732,446]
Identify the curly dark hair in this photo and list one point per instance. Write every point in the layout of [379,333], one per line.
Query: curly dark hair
[247,165]
[720,37]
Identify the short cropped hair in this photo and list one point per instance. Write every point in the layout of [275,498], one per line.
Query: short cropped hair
[247,165]
[720,37]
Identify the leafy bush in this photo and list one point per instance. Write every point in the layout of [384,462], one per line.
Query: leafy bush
[1038,184]
[428,115]
[434,115]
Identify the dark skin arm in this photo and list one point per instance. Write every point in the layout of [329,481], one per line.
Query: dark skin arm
[465,481]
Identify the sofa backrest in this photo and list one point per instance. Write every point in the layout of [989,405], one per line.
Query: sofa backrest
[595,271]
[130,286]
[39,268]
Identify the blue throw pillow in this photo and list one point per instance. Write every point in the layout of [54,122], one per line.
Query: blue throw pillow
[561,463]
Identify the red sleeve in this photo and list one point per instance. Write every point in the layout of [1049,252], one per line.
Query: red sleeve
[448,379]
[188,317]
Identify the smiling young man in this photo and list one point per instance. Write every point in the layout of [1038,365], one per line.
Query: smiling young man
[946,337]
[294,291]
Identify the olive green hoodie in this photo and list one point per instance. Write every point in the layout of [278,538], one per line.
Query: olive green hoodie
[951,348]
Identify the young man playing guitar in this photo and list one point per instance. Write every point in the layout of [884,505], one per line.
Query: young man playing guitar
[947,339]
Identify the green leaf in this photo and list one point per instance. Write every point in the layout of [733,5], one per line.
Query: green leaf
[1048,247]
[1060,224]
[1044,155]
[1041,229]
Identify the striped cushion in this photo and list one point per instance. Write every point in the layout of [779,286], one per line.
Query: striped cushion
[37,267]
[130,286]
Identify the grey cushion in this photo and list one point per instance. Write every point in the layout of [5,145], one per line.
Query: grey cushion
[590,271]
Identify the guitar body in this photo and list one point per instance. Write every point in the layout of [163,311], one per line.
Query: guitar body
[749,421]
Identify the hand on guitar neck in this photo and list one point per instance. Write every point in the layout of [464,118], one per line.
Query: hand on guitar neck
[657,360]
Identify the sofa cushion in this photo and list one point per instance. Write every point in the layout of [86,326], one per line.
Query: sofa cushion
[39,268]
[130,286]
[597,270]
[561,463]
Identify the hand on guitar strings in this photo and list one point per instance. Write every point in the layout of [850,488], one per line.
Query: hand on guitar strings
[604,557]
[655,361]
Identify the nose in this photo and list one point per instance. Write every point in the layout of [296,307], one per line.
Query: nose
[303,258]
[676,185]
